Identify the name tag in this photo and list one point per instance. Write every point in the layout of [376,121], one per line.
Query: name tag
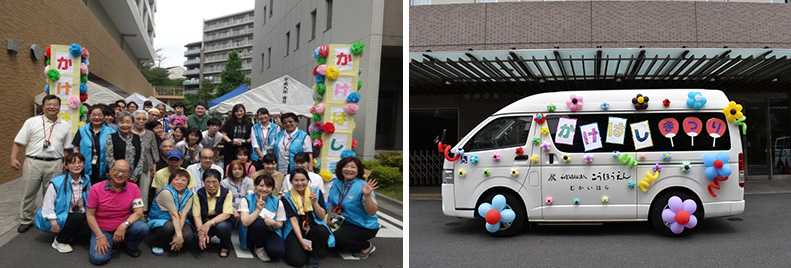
[137,203]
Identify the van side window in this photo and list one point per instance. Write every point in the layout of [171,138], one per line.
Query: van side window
[501,133]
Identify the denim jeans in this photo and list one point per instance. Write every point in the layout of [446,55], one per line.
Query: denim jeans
[135,234]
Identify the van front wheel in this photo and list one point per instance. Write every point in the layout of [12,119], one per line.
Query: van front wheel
[513,203]
[660,203]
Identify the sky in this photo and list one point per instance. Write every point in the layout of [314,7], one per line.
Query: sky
[178,22]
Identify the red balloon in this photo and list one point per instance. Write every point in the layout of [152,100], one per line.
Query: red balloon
[682,217]
[493,216]
[718,164]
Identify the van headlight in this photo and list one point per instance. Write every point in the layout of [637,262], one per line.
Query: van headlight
[447,176]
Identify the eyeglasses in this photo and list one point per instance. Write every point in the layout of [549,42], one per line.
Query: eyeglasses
[121,171]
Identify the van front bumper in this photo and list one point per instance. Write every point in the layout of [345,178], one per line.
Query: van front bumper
[449,204]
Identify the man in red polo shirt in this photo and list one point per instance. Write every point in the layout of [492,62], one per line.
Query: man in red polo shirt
[110,205]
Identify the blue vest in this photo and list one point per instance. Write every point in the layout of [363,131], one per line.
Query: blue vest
[86,148]
[270,138]
[271,205]
[62,186]
[204,203]
[157,217]
[353,209]
[287,228]
[293,148]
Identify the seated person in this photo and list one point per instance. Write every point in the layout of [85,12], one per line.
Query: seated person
[306,232]
[168,216]
[242,154]
[270,168]
[63,212]
[301,161]
[262,228]
[353,207]
[211,209]
[238,184]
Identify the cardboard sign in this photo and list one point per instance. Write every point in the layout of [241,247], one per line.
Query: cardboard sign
[616,129]
[68,84]
[669,128]
[641,135]
[692,126]
[716,129]
[591,137]
[334,99]
[565,131]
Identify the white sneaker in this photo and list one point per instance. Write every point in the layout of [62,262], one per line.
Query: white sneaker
[261,255]
[61,247]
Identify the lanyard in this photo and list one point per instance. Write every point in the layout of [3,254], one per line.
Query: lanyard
[342,197]
[44,126]
[290,139]
[264,137]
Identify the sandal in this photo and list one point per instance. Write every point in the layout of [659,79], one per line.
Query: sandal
[224,253]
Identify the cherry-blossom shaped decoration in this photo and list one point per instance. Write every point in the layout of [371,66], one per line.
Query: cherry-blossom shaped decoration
[574,102]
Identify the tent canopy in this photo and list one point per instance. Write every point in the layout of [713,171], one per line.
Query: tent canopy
[96,94]
[298,99]
[155,102]
[236,92]
[137,98]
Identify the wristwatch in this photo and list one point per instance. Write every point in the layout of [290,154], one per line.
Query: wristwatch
[127,223]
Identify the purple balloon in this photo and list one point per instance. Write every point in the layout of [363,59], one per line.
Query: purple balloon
[690,206]
[693,221]
[668,216]
[675,203]
[676,228]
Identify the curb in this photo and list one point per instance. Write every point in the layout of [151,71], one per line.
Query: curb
[390,202]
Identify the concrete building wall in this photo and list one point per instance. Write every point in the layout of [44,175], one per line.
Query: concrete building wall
[44,23]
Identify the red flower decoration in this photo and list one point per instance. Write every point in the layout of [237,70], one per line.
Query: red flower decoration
[329,128]
[314,70]
[520,151]
[323,51]
[318,143]
[666,103]
[354,143]
[540,118]
[83,97]
[48,53]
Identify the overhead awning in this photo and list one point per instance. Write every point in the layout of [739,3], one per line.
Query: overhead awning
[535,71]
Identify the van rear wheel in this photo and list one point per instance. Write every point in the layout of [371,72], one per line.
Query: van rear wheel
[508,229]
[660,203]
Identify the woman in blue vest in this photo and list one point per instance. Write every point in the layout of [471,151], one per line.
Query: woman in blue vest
[289,142]
[90,141]
[211,209]
[353,207]
[305,211]
[262,217]
[63,212]
[167,218]
[263,137]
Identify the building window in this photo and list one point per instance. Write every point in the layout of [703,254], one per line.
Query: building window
[271,7]
[329,15]
[421,2]
[264,16]
[269,60]
[313,25]
[288,41]
[262,61]
[296,37]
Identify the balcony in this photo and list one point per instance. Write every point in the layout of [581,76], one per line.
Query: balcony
[192,62]
[191,82]
[191,72]
[169,91]
[191,52]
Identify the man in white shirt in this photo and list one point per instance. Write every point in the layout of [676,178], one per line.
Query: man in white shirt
[212,136]
[316,182]
[44,139]
[198,169]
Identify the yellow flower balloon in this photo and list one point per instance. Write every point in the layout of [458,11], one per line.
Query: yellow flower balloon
[462,173]
[544,131]
[332,73]
[733,111]
[534,158]
[326,175]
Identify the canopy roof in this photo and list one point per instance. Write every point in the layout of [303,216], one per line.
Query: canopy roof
[236,92]
[282,95]
[96,94]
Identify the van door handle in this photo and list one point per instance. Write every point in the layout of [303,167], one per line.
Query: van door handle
[551,158]
[521,157]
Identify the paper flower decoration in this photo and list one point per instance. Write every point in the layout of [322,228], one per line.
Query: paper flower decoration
[576,201]
[487,172]
[545,146]
[316,53]
[83,69]
[496,156]
[605,199]
[551,107]
[53,74]
[666,103]
[319,79]
[321,60]
[318,109]
[74,102]
[666,156]
[46,89]
[696,100]
[354,143]
[46,69]
[85,53]
[357,48]
[631,184]
[605,106]
[75,50]
[359,83]
[321,69]
[354,97]
[574,102]
[642,156]
[548,200]
[544,131]
[316,117]
[588,158]
[640,102]
[315,135]
[462,173]
[351,108]
[326,175]
[685,166]
[332,73]
[536,140]
[540,118]
[328,128]
[514,172]
[48,52]
[315,70]
[318,142]
[83,97]
[83,78]
[566,158]
[657,167]
[320,89]
[733,111]
[534,158]
[717,165]
[520,150]
[496,213]
[680,214]
[316,128]
[348,153]
[324,51]
[83,88]
[474,159]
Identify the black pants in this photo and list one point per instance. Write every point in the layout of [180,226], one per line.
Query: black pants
[222,231]
[353,237]
[258,235]
[75,226]
[297,256]
[164,235]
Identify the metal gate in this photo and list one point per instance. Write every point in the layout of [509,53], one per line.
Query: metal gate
[425,167]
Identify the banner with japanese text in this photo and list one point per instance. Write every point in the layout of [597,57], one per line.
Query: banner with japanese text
[67,85]
[335,101]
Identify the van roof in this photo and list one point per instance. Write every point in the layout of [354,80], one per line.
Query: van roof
[618,100]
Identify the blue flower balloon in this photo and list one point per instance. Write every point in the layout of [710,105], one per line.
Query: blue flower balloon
[319,79]
[83,88]
[354,97]
[717,165]
[316,53]
[474,159]
[75,50]
[348,153]
[500,213]
[696,100]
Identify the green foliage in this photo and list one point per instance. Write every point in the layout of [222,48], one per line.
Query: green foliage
[155,75]
[232,76]
[386,176]
[371,164]
[392,159]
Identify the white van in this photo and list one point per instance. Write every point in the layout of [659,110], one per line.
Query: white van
[575,173]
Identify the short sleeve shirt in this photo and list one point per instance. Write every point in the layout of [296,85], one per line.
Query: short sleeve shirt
[162,176]
[280,215]
[113,208]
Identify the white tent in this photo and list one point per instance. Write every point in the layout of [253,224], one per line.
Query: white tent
[96,94]
[155,102]
[298,100]
[137,98]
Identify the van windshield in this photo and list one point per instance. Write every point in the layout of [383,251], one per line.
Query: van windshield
[500,133]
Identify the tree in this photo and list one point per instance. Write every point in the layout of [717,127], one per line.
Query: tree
[159,57]
[232,76]
[155,75]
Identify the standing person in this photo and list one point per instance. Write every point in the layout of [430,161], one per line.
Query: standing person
[306,232]
[90,141]
[242,155]
[153,114]
[191,146]
[114,210]
[168,217]
[121,104]
[289,142]
[211,136]
[126,145]
[63,210]
[353,207]
[150,153]
[206,163]
[148,105]
[265,232]
[162,177]
[163,117]
[270,168]
[131,106]
[159,132]
[44,149]
[301,162]
[263,137]
[178,119]
[211,209]
[109,116]
[236,133]
[199,118]
[238,183]
[179,133]
[164,149]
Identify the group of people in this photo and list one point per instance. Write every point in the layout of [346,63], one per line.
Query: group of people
[129,172]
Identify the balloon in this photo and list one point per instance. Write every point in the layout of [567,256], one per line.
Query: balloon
[492,228]
[675,203]
[708,159]
[682,217]
[668,215]
[693,221]
[493,216]
[498,202]
[483,208]
[690,206]
[507,216]
[676,228]
[711,172]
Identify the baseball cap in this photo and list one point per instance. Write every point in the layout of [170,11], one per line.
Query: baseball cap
[175,153]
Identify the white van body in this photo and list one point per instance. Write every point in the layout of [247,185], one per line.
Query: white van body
[605,176]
